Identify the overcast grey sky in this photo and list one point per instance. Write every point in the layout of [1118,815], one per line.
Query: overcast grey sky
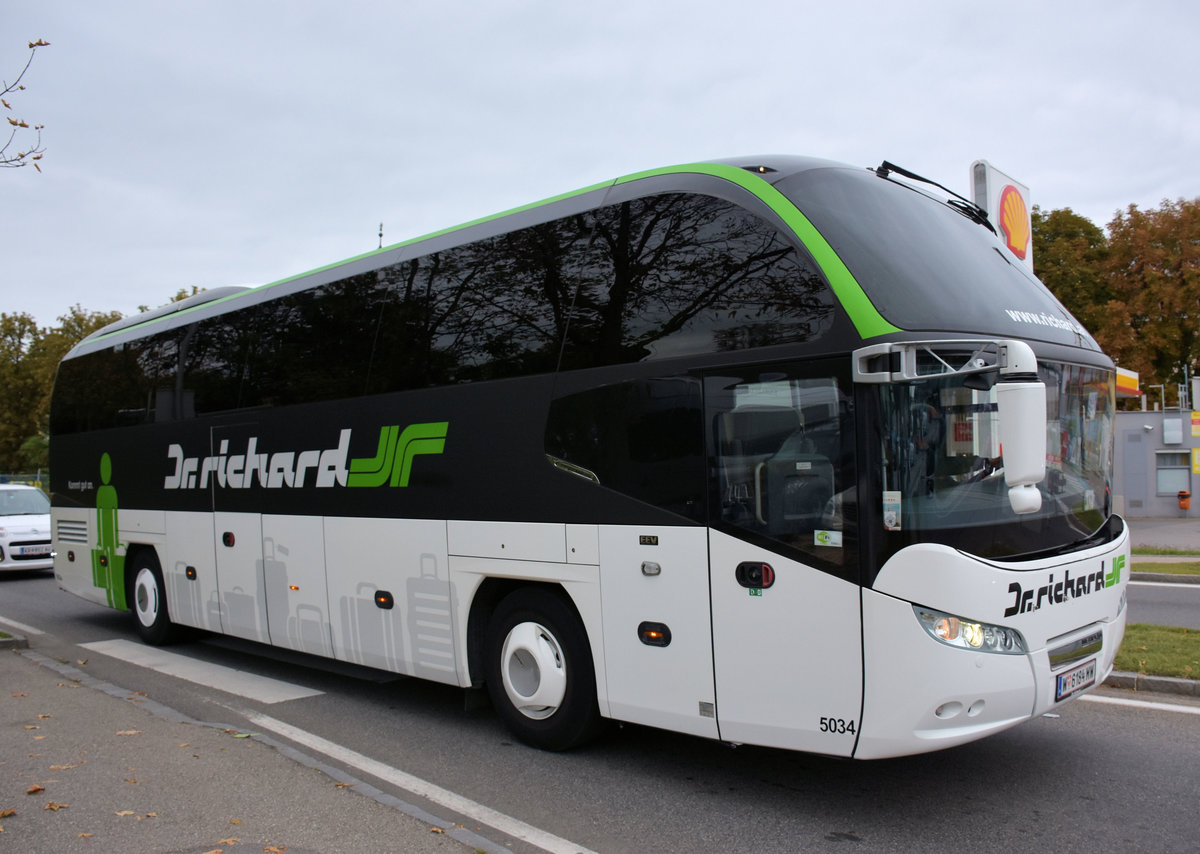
[215,143]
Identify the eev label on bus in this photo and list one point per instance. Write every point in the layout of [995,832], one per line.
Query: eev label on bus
[832,539]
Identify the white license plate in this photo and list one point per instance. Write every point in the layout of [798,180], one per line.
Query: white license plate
[32,551]
[1075,680]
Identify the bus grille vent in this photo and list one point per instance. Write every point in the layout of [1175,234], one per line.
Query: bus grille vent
[71,531]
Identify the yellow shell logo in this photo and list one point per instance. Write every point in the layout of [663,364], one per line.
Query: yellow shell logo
[1014,221]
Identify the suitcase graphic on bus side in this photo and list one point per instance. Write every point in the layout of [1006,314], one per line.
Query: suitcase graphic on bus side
[368,631]
[307,630]
[431,624]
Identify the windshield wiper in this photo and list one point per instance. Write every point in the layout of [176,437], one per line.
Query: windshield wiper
[962,204]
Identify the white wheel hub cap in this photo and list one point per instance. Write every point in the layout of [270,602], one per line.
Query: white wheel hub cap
[533,671]
[145,597]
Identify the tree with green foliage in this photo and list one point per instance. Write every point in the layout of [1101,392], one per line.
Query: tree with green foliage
[1069,256]
[1151,323]
[18,332]
[29,357]
[1136,288]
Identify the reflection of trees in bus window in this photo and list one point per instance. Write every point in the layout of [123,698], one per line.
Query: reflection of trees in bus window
[321,341]
[490,309]
[213,356]
[674,275]
[652,278]
[115,386]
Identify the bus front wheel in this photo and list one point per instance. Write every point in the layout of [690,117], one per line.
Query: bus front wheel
[151,619]
[540,674]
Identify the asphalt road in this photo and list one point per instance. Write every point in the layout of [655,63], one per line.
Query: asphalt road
[1095,776]
[1164,604]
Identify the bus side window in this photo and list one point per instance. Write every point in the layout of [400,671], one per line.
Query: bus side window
[642,438]
[783,447]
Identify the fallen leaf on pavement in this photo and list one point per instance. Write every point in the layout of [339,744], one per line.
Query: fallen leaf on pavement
[35,789]
[130,732]
[124,812]
[67,767]
[22,694]
[84,836]
[436,830]
[31,726]
[233,840]
[7,813]
[53,807]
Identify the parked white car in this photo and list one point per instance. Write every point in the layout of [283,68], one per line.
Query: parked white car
[24,528]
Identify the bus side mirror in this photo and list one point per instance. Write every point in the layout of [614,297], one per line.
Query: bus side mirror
[1021,407]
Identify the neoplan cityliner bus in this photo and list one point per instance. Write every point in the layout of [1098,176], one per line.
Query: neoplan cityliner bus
[774,451]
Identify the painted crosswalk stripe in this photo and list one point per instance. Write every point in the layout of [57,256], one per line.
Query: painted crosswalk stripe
[261,688]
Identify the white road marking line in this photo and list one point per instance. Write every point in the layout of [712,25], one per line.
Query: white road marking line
[1175,585]
[443,797]
[1142,704]
[227,679]
[21,627]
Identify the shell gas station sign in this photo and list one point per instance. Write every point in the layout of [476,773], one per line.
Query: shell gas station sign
[1007,204]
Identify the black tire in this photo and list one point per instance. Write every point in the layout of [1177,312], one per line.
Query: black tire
[539,670]
[148,600]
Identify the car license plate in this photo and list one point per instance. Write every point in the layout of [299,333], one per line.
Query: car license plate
[1075,680]
[33,551]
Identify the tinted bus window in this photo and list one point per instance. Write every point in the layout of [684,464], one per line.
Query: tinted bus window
[642,438]
[674,275]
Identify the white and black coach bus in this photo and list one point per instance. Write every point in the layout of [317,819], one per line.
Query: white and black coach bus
[779,452]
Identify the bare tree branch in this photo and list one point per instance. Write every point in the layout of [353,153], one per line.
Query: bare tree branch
[30,155]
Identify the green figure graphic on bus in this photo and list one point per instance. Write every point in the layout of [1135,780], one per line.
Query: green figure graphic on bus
[108,567]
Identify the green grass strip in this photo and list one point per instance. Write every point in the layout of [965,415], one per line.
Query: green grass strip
[1185,568]
[1160,651]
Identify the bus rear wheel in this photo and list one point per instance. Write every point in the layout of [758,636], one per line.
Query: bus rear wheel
[151,619]
[540,675]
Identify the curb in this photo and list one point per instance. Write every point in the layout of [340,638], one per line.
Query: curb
[1164,577]
[14,642]
[1154,684]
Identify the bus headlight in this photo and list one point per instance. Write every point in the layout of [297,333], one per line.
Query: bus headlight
[967,634]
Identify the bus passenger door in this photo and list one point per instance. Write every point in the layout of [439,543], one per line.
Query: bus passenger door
[240,582]
[293,568]
[241,601]
[786,610]
[657,638]
[788,657]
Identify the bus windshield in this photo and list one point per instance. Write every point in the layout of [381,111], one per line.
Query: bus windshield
[923,264]
[943,467]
